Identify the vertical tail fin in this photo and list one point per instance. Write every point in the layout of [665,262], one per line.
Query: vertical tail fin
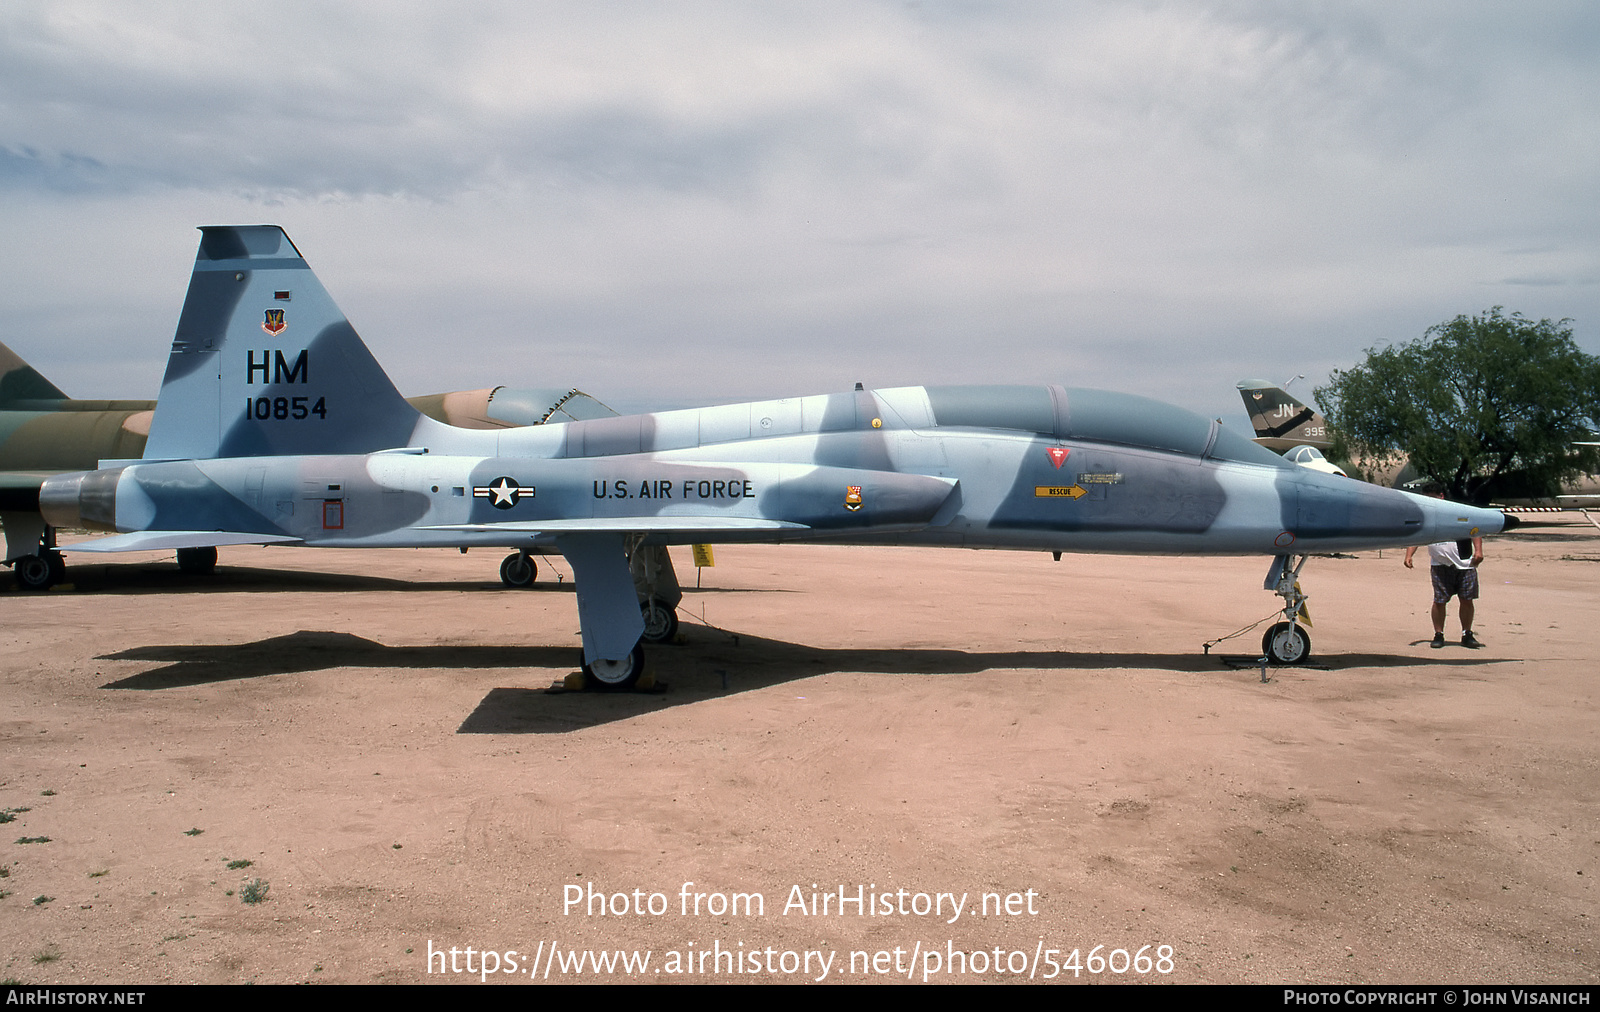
[21,383]
[263,362]
[1280,421]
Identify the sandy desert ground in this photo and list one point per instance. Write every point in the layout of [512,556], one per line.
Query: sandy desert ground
[370,731]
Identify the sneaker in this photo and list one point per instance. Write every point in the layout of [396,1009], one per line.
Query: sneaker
[1470,641]
[1438,641]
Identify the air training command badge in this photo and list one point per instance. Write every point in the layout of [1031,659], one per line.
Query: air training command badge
[852,497]
[1058,455]
[274,324]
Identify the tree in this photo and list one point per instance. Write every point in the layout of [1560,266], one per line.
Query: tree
[1479,404]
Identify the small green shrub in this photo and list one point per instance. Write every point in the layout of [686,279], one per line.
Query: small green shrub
[254,891]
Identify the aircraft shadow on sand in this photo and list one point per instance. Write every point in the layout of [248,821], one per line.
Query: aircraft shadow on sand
[165,577]
[717,664]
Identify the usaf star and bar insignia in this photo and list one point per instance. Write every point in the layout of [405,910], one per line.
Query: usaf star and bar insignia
[503,493]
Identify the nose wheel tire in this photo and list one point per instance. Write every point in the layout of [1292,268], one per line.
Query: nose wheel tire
[1286,643]
[660,622]
[518,570]
[616,676]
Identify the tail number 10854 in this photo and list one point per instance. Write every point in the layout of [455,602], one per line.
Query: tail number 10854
[285,408]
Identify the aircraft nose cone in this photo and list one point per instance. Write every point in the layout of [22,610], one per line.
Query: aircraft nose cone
[1341,508]
[1511,523]
[1452,521]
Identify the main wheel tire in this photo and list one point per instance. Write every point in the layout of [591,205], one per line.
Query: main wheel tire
[616,676]
[34,572]
[200,561]
[58,567]
[660,622]
[1286,643]
[518,570]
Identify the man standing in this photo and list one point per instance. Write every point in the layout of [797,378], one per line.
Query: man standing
[1453,576]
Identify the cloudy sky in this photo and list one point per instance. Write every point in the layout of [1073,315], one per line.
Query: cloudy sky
[672,204]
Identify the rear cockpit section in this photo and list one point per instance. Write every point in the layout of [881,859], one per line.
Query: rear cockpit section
[1107,417]
[1061,413]
[509,407]
[899,408]
[1026,409]
[1074,413]
[1229,445]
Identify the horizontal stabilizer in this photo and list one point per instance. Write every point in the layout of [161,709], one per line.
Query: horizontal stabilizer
[155,541]
[628,525]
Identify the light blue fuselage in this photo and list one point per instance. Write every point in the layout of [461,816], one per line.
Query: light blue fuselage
[700,474]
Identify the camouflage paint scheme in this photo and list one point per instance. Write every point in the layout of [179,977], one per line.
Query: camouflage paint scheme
[276,425]
[1281,422]
[45,432]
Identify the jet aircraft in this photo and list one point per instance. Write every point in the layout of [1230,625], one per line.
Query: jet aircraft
[1301,434]
[1288,427]
[275,425]
[45,432]
[1282,422]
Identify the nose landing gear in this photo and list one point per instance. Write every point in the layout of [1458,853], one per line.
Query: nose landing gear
[1286,642]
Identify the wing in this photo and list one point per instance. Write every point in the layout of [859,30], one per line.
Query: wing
[155,541]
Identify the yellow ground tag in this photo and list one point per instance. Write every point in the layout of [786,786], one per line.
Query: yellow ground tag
[703,559]
[1305,607]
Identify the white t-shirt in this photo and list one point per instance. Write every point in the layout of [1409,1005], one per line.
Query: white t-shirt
[1448,553]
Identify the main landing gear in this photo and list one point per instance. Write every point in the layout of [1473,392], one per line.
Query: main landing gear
[40,572]
[1286,642]
[617,676]
[37,564]
[656,584]
[660,621]
[654,580]
[518,570]
[199,561]
[635,601]
[627,596]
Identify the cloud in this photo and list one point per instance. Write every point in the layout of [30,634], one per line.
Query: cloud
[759,199]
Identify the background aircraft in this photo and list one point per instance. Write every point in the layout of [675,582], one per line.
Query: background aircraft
[275,425]
[45,432]
[1284,424]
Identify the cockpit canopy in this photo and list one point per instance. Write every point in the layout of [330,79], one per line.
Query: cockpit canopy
[1304,455]
[1097,415]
